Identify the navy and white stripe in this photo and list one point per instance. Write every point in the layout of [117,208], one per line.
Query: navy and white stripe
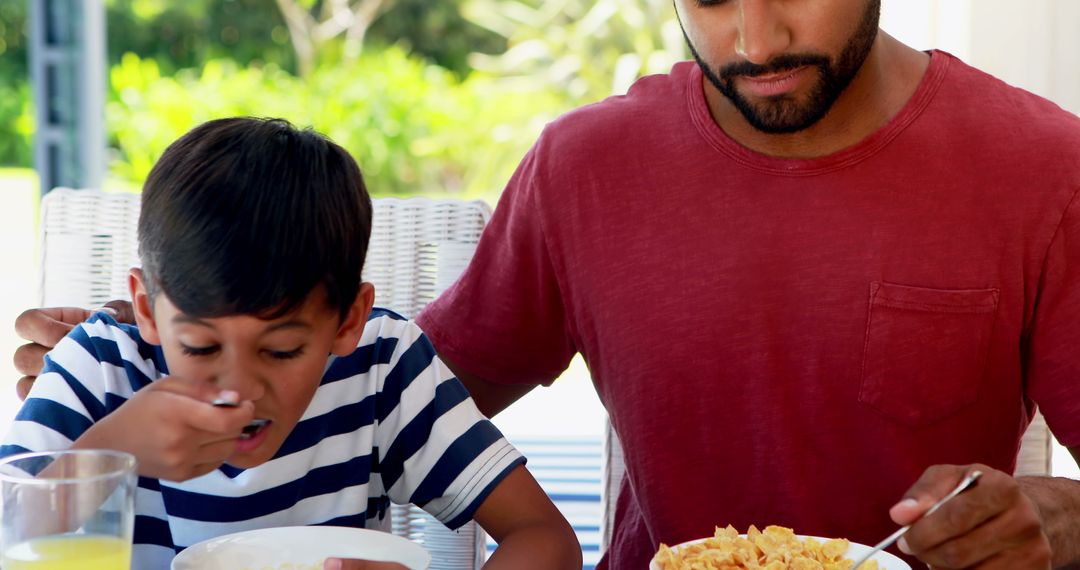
[389,422]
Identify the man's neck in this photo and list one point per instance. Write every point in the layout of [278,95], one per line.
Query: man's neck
[884,84]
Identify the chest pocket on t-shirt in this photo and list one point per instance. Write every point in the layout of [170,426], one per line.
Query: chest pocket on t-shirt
[926,350]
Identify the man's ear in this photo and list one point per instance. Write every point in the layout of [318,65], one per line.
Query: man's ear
[143,307]
[352,327]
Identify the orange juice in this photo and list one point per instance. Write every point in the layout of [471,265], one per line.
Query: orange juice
[69,551]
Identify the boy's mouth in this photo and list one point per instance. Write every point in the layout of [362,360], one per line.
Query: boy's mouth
[254,428]
[251,430]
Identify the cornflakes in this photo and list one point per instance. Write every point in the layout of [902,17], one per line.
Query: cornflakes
[775,548]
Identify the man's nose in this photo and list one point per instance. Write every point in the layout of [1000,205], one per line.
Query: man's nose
[763,32]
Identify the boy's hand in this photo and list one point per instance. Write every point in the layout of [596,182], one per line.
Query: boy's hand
[44,328]
[172,429]
[344,564]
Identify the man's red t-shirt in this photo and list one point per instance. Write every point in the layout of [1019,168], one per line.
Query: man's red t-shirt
[787,341]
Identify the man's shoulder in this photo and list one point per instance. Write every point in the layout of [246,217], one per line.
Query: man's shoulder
[652,99]
[1023,119]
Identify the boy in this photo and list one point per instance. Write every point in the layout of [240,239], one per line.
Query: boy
[252,236]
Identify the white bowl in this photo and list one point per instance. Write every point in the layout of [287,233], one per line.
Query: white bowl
[855,550]
[302,547]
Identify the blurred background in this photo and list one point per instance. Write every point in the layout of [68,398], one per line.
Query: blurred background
[433,97]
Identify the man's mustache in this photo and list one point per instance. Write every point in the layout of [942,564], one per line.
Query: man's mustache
[779,64]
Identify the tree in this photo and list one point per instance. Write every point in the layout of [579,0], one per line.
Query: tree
[588,48]
[312,23]
[436,30]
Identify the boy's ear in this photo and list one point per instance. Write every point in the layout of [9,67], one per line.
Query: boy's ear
[142,306]
[352,328]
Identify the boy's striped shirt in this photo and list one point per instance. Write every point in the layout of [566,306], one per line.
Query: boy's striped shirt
[389,422]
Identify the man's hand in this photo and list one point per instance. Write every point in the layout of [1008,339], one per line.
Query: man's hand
[172,429]
[991,526]
[343,564]
[44,328]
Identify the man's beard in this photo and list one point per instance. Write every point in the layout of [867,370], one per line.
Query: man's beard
[784,114]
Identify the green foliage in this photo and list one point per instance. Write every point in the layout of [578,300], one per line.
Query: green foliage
[16,114]
[412,126]
[437,103]
[147,110]
[16,123]
[187,34]
[197,34]
[13,39]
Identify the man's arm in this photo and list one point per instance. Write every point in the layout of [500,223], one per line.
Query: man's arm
[1003,522]
[490,397]
[1057,500]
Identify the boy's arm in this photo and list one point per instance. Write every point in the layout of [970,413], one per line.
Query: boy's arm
[530,531]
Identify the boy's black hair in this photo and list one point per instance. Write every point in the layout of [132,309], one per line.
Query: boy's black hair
[248,216]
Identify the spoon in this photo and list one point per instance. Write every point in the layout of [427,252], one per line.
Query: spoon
[252,427]
[964,485]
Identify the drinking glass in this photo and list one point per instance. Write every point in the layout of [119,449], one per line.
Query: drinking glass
[67,509]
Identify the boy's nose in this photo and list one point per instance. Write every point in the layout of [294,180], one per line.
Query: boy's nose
[241,379]
[763,33]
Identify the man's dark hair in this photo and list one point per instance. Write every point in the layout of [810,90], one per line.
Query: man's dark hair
[248,216]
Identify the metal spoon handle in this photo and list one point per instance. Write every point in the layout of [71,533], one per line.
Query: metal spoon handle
[249,429]
[966,483]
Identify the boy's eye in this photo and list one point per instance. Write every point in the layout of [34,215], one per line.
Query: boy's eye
[704,3]
[286,354]
[199,350]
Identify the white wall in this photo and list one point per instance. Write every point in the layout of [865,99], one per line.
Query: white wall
[1034,44]
[926,24]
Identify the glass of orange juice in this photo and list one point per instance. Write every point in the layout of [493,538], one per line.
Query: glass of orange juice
[67,509]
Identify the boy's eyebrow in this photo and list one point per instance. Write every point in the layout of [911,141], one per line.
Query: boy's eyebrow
[180,318]
[290,324]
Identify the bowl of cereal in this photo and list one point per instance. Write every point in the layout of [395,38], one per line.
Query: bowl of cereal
[774,548]
[299,548]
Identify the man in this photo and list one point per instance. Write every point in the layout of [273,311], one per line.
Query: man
[817,278]
[802,273]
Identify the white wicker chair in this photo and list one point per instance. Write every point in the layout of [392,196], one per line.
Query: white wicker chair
[1034,459]
[418,248]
